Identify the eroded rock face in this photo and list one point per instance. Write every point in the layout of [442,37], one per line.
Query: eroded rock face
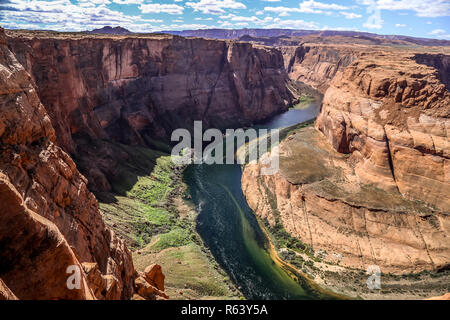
[316,65]
[155,276]
[370,185]
[48,218]
[440,62]
[5,293]
[393,116]
[318,198]
[136,90]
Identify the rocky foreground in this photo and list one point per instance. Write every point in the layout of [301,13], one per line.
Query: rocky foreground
[369,184]
[49,220]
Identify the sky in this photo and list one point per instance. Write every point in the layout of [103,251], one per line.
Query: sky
[420,18]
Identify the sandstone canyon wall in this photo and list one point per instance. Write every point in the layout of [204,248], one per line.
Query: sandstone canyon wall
[392,115]
[136,90]
[370,184]
[64,97]
[49,220]
[316,64]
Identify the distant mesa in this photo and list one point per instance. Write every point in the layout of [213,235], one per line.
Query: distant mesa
[251,34]
[111,30]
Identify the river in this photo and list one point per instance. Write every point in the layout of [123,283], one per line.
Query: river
[231,231]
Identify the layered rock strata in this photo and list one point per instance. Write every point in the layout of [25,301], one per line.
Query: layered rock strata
[392,115]
[136,90]
[370,184]
[315,64]
[50,225]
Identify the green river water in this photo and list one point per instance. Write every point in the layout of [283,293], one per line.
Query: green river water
[231,231]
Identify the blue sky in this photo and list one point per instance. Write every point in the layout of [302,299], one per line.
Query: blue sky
[422,18]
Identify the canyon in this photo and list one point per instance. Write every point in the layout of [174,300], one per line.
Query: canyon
[50,221]
[67,98]
[138,90]
[368,183]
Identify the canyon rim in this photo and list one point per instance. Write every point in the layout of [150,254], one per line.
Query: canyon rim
[94,207]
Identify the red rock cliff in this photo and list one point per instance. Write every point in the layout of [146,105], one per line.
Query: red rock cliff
[49,220]
[392,114]
[370,184]
[317,64]
[133,90]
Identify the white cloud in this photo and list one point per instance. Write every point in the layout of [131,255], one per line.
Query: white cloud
[308,6]
[215,6]
[350,15]
[292,24]
[127,1]
[182,27]
[62,15]
[203,19]
[161,8]
[400,25]
[437,31]
[252,19]
[423,8]
[440,33]
[311,4]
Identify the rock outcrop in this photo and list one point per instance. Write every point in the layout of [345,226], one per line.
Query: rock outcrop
[5,293]
[318,198]
[315,64]
[154,276]
[393,116]
[50,225]
[136,90]
[370,184]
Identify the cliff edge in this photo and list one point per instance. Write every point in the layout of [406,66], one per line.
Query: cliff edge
[49,220]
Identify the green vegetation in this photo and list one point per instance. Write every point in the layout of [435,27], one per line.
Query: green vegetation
[140,208]
[175,238]
[146,209]
[304,102]
[154,190]
[286,132]
[191,272]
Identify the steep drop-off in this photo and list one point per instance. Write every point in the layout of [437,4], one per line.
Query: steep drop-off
[316,65]
[136,90]
[49,220]
[392,115]
[87,97]
[369,185]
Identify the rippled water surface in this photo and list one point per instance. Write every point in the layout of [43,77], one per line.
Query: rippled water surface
[230,229]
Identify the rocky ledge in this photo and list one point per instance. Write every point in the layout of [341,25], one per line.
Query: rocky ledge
[369,184]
